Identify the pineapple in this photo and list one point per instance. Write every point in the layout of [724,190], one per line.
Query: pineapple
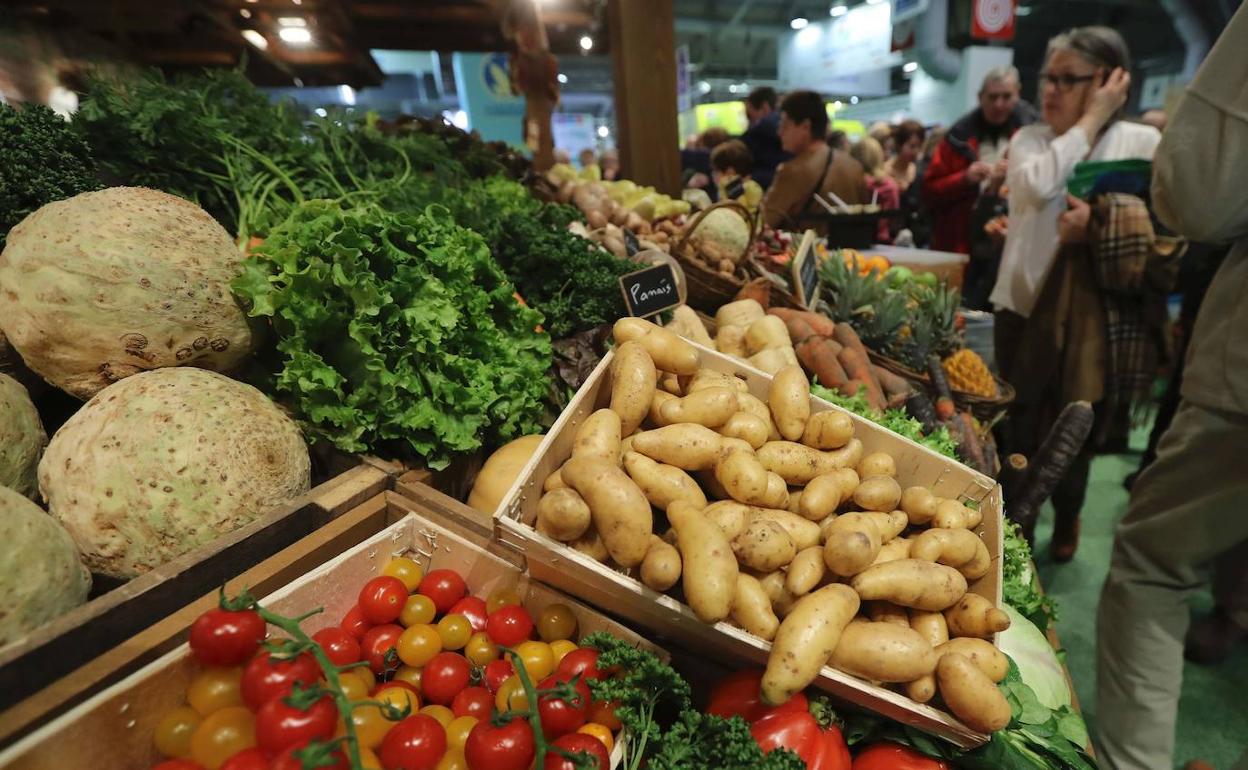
[967,372]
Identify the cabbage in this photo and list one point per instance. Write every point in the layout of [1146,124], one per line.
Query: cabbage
[722,234]
[1037,662]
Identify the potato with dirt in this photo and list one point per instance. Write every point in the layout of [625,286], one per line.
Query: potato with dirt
[763,546]
[951,547]
[883,652]
[973,615]
[805,533]
[620,511]
[982,653]
[970,694]
[633,382]
[562,514]
[807,637]
[806,571]
[920,585]
[877,493]
[877,464]
[742,476]
[709,568]
[686,446]
[798,464]
[830,429]
[662,484]
[748,427]
[711,407]
[599,437]
[826,492]
[851,544]
[919,504]
[751,608]
[660,570]
[789,399]
[669,351]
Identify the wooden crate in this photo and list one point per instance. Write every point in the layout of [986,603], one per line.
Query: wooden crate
[81,651]
[561,566]
[113,729]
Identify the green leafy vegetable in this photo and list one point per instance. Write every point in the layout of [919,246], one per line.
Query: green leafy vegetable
[396,331]
[1019,588]
[895,420]
[700,741]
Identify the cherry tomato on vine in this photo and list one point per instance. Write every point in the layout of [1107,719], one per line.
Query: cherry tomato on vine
[583,661]
[280,725]
[509,625]
[410,675]
[480,649]
[457,732]
[225,637]
[497,672]
[267,677]
[561,716]
[556,621]
[538,659]
[455,630]
[403,697]
[444,676]
[248,759]
[511,696]
[473,608]
[418,644]
[221,735]
[174,731]
[560,649]
[178,764]
[382,599]
[354,623]
[510,747]
[603,713]
[405,570]
[214,689]
[289,760]
[340,646]
[444,587]
[577,743]
[600,732]
[473,702]
[377,644]
[418,611]
[416,743]
[441,714]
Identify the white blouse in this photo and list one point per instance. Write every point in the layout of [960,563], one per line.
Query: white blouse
[1040,164]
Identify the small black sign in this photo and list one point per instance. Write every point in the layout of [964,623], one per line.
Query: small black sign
[631,244]
[805,268]
[650,291]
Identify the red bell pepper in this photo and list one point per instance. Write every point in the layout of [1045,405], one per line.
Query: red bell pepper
[894,756]
[739,696]
[790,725]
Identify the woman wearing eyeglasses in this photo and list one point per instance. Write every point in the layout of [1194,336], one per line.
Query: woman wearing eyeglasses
[1084,86]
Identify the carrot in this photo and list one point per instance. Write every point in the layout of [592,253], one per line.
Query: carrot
[818,356]
[919,406]
[799,330]
[944,397]
[891,383]
[1050,463]
[858,367]
[822,325]
[758,290]
[963,430]
[1013,471]
[849,338]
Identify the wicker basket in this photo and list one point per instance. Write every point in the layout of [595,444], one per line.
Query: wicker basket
[986,410]
[710,289]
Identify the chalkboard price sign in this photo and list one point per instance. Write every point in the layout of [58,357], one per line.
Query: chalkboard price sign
[805,268]
[650,291]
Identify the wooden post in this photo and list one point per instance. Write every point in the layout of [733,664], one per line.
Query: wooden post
[643,55]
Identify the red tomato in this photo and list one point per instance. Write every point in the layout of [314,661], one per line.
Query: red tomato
[444,677]
[892,756]
[340,646]
[739,696]
[378,641]
[510,747]
[576,743]
[288,760]
[497,672]
[444,587]
[416,743]
[603,712]
[266,677]
[382,599]
[280,725]
[248,759]
[473,702]
[225,638]
[509,625]
[354,623]
[178,764]
[793,730]
[472,608]
[583,661]
[560,716]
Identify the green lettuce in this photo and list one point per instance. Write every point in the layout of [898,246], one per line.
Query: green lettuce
[896,420]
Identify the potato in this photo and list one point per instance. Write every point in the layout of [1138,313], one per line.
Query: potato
[898,548]
[730,340]
[554,481]
[714,490]
[919,504]
[713,378]
[923,689]
[710,407]
[730,516]
[930,626]
[951,547]
[748,427]
[709,569]
[687,446]
[921,585]
[789,399]
[970,694]
[773,585]
[763,546]
[633,379]
[662,484]
[887,612]
[979,564]
[877,493]
[670,383]
[877,464]
[805,571]
[982,653]
[890,524]
[799,464]
[655,416]
[828,430]
[591,545]
[669,351]
[825,493]
[747,402]
[751,608]
[795,500]
[621,513]
[852,543]
[599,437]
[826,525]
[562,514]
[661,568]
[950,514]
[777,494]
[804,533]
[975,616]
[807,637]
[973,517]
[883,652]
[742,476]
[766,333]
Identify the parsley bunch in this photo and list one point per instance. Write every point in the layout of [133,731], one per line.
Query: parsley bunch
[41,160]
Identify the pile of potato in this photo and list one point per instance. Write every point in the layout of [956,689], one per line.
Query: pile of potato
[780,524]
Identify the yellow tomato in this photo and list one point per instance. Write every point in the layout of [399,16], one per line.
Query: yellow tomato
[511,695]
[561,647]
[400,698]
[418,644]
[480,649]
[405,570]
[174,731]
[455,630]
[539,661]
[452,760]
[214,689]
[366,676]
[457,731]
[417,610]
[556,621]
[352,685]
[501,598]
[441,713]
[369,760]
[223,734]
[370,725]
[409,674]
[600,732]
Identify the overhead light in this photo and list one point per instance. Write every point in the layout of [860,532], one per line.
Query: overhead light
[853,100]
[256,39]
[840,9]
[321,112]
[704,87]
[874,2]
[910,66]
[562,78]
[836,105]
[298,82]
[587,42]
[291,21]
[295,35]
[246,14]
[603,132]
[1022,10]
[799,23]
[347,94]
[297,2]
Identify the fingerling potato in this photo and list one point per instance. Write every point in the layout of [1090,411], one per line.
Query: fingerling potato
[730,516]
[950,514]
[951,547]
[562,514]
[742,476]
[982,653]
[919,504]
[920,585]
[669,351]
[805,571]
[798,464]
[633,379]
[599,437]
[789,399]
[748,427]
[897,548]
[979,564]
[709,568]
[828,430]
[777,495]
[877,464]
[710,407]
[804,533]
[687,446]
[662,484]
[877,493]
[554,481]
[806,638]
[591,545]
[851,545]
[883,652]
[764,546]
[751,608]
[973,615]
[621,513]
[970,694]
[887,612]
[655,416]
[825,493]
[931,626]
[660,570]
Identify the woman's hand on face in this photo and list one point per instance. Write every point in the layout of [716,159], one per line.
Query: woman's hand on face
[1109,97]
[1072,225]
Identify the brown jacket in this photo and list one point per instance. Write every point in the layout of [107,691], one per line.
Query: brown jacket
[796,180]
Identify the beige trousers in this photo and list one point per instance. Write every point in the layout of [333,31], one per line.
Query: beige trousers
[1187,509]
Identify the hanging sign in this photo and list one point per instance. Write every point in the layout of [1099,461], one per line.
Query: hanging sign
[805,272]
[992,19]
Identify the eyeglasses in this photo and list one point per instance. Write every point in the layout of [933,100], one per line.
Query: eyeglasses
[1064,82]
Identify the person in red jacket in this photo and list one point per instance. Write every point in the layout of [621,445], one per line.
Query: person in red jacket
[972,157]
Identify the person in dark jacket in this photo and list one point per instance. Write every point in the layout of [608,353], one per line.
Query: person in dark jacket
[972,157]
[763,136]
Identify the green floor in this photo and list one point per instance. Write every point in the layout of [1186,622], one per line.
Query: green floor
[1213,712]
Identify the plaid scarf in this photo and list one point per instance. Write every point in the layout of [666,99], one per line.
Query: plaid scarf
[1134,271]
